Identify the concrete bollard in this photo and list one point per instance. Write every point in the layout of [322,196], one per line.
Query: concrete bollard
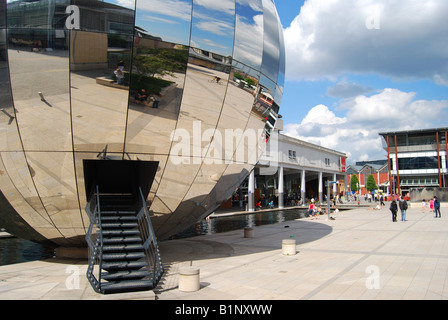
[289,247]
[248,233]
[189,279]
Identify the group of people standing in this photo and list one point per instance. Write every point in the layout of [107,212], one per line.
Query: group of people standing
[403,206]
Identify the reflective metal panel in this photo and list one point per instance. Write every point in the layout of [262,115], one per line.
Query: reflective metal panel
[18,187]
[39,70]
[265,105]
[54,177]
[164,20]
[9,137]
[20,174]
[249,33]
[157,86]
[100,64]
[232,125]
[205,87]
[45,14]
[282,66]
[99,103]
[114,17]
[271,52]
[213,26]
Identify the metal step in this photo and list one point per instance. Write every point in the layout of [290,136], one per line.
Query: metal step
[118,225]
[126,286]
[117,212]
[125,275]
[120,232]
[123,247]
[117,218]
[124,265]
[123,256]
[121,240]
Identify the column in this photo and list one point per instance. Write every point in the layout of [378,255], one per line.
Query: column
[345,184]
[335,186]
[281,191]
[303,187]
[321,188]
[397,167]
[438,159]
[251,191]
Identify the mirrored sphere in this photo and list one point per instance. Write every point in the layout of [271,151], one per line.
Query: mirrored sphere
[175,97]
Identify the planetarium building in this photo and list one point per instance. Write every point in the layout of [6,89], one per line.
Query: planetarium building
[165,102]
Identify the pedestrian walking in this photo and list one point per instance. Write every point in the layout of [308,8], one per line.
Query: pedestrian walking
[437,207]
[312,209]
[382,200]
[424,206]
[403,207]
[393,208]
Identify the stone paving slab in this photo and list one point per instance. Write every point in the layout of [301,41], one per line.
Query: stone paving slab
[361,255]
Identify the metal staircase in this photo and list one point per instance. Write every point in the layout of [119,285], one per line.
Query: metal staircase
[123,250]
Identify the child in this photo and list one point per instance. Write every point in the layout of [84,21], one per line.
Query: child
[424,206]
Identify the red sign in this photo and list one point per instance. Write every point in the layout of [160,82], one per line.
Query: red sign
[343,164]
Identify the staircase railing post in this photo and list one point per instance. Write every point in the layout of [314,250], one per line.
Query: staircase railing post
[150,238]
[93,209]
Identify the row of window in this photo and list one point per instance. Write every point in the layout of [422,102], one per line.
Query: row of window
[405,140]
[420,182]
[293,156]
[416,163]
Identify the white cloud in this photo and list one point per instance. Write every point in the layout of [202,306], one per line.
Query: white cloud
[332,37]
[356,133]
[345,89]
[222,6]
[170,8]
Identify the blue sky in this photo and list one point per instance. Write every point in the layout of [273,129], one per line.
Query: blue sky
[359,67]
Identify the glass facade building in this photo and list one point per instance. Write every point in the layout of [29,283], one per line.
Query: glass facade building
[72,77]
[416,159]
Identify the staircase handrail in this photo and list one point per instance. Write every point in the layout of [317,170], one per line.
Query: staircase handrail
[93,209]
[149,241]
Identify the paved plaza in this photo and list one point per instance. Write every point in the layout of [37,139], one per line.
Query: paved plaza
[361,255]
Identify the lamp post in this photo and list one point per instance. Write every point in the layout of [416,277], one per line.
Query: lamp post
[328,197]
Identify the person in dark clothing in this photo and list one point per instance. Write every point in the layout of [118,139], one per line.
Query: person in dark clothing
[403,207]
[382,200]
[437,207]
[393,208]
[141,96]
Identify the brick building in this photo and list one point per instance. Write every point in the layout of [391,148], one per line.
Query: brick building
[378,169]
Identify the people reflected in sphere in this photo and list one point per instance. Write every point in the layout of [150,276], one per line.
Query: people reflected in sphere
[141,96]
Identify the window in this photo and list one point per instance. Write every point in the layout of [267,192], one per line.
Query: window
[292,154]
[327,162]
[417,163]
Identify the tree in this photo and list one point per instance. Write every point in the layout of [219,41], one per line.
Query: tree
[371,184]
[354,183]
[154,62]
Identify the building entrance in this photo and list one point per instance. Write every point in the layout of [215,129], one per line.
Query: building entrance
[119,177]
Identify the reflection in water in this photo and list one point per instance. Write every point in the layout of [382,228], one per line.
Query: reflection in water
[15,250]
[225,224]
